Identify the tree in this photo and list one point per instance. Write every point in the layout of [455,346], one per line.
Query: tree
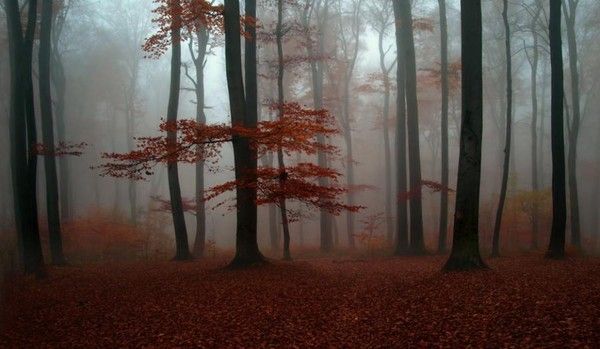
[280,32]
[556,247]
[382,20]
[316,55]
[401,187]
[52,201]
[181,238]
[247,252]
[507,140]
[465,245]
[349,48]
[570,12]
[417,245]
[23,134]
[443,226]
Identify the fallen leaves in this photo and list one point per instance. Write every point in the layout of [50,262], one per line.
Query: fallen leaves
[399,302]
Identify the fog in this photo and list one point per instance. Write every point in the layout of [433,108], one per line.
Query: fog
[114,93]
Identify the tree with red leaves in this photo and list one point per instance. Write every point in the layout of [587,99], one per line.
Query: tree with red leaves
[293,132]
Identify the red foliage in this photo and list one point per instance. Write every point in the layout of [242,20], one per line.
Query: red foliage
[294,132]
[62,149]
[192,13]
[189,205]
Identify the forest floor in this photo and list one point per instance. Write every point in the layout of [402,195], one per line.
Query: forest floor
[388,302]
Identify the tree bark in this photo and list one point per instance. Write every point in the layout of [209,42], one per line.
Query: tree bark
[507,139]
[280,159]
[443,226]
[465,247]
[52,202]
[245,157]
[401,247]
[181,238]
[535,187]
[23,135]
[556,247]
[417,245]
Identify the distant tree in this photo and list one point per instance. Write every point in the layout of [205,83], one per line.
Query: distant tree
[556,248]
[465,246]
[318,9]
[382,19]
[52,201]
[23,133]
[443,225]
[508,134]
[573,125]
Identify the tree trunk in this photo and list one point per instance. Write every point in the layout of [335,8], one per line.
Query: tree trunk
[247,252]
[52,203]
[556,248]
[401,188]
[200,241]
[181,238]
[280,159]
[386,139]
[575,125]
[507,140]
[417,245]
[443,226]
[317,77]
[534,131]
[22,126]
[465,247]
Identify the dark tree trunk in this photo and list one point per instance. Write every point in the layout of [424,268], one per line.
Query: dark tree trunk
[280,159]
[317,76]
[401,187]
[465,246]
[570,16]
[417,245]
[556,248]
[23,135]
[52,203]
[443,227]
[181,238]
[507,139]
[245,157]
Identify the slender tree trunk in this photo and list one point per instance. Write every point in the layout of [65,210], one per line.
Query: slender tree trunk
[534,132]
[542,138]
[317,76]
[575,124]
[386,139]
[556,248]
[417,245]
[465,247]
[401,187]
[245,156]
[280,159]
[200,240]
[181,238]
[23,135]
[52,203]
[443,227]
[507,140]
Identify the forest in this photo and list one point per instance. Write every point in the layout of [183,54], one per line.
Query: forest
[299,173]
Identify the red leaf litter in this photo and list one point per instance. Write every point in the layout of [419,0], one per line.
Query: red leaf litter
[397,302]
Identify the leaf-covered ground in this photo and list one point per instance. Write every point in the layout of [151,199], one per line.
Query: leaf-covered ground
[521,302]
